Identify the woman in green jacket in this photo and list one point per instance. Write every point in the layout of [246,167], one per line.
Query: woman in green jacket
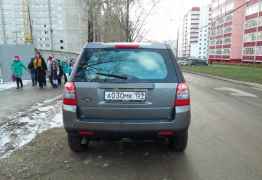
[18,68]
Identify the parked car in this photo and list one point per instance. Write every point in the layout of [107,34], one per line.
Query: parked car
[184,62]
[198,62]
[126,90]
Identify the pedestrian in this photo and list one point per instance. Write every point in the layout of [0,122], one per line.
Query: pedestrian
[61,72]
[65,68]
[17,69]
[54,74]
[49,66]
[32,72]
[70,67]
[41,68]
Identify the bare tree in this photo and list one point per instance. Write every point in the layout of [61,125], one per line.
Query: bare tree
[110,20]
[137,26]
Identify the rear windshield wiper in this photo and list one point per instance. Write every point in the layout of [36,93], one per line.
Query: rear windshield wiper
[112,75]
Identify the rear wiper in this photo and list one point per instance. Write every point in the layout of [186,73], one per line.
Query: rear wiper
[112,75]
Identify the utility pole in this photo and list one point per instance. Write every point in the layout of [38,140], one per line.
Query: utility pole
[177,42]
[127,20]
[28,37]
[50,25]
[3,21]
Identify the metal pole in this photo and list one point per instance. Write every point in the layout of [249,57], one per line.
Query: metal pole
[3,21]
[50,25]
[127,20]
[177,42]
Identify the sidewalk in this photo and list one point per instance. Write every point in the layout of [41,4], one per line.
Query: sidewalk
[14,101]
[251,84]
[9,85]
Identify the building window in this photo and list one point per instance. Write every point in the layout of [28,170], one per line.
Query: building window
[259,21]
[251,23]
[250,37]
[228,18]
[226,51]
[252,9]
[219,42]
[259,50]
[249,51]
[62,47]
[212,42]
[227,40]
[61,41]
[219,51]
[212,51]
[228,29]
[259,36]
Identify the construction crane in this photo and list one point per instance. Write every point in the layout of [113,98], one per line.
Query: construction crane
[28,37]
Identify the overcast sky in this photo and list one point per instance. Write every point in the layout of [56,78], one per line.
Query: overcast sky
[166,18]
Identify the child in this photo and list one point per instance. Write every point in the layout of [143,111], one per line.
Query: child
[17,68]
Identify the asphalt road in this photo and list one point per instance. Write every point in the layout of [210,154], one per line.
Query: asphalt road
[225,144]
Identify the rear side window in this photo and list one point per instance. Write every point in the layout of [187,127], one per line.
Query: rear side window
[135,65]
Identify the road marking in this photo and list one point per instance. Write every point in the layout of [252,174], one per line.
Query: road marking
[236,92]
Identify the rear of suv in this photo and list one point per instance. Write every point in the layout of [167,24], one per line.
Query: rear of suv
[126,90]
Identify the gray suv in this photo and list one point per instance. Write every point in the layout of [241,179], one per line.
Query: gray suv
[126,90]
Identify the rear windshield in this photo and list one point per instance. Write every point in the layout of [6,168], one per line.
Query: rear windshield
[137,65]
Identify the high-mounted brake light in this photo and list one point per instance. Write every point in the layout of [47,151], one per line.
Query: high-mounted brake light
[70,94]
[182,95]
[127,46]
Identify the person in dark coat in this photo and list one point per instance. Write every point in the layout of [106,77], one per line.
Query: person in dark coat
[61,72]
[40,65]
[54,76]
[32,72]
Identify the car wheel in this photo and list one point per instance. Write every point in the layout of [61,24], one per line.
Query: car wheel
[75,143]
[178,143]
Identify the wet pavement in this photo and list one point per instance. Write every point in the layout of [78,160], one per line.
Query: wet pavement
[225,143]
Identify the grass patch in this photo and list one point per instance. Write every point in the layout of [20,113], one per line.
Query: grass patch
[250,73]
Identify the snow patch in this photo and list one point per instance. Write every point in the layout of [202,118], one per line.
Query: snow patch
[21,130]
[10,85]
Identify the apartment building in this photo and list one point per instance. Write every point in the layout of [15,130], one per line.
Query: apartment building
[58,25]
[203,37]
[226,30]
[190,32]
[193,36]
[11,22]
[252,35]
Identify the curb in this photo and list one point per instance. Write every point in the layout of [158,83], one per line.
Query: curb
[254,85]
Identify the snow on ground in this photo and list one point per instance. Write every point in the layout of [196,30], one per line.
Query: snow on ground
[9,85]
[23,127]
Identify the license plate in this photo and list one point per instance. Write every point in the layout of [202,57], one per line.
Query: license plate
[125,96]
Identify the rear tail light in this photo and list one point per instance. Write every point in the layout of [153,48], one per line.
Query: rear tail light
[182,95]
[70,94]
[166,133]
[86,133]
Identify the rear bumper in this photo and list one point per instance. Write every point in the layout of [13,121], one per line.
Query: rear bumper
[180,123]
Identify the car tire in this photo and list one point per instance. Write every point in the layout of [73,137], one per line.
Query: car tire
[75,143]
[178,143]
